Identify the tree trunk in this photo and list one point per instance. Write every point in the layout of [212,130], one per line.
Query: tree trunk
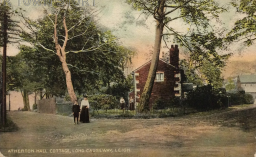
[69,83]
[35,97]
[24,94]
[41,94]
[60,51]
[145,97]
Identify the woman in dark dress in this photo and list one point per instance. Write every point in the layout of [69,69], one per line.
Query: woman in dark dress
[84,117]
[131,103]
[76,110]
[87,115]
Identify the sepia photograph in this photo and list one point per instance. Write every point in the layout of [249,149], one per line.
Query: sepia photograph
[128,78]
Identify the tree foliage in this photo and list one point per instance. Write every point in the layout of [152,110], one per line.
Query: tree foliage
[230,84]
[20,77]
[245,28]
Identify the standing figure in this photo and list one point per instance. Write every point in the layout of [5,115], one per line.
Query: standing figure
[131,102]
[76,111]
[84,117]
[122,103]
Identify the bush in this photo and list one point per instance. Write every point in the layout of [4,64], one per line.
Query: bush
[34,106]
[159,104]
[175,102]
[236,99]
[240,98]
[207,98]
[248,99]
[125,115]
[103,101]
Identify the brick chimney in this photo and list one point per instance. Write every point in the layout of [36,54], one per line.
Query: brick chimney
[174,56]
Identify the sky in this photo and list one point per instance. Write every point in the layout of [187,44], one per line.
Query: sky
[122,20]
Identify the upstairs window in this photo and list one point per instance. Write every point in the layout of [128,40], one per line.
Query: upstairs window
[159,77]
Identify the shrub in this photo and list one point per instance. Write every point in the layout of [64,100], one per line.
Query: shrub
[241,98]
[206,98]
[103,101]
[236,99]
[159,104]
[125,115]
[175,102]
[34,106]
[248,99]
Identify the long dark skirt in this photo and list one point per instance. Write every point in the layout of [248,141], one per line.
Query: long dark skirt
[131,106]
[84,117]
[122,105]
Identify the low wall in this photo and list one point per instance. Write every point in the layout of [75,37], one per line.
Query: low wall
[47,106]
[64,108]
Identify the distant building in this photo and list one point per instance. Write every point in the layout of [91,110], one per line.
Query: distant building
[247,83]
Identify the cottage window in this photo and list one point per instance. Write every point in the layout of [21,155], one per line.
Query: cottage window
[159,77]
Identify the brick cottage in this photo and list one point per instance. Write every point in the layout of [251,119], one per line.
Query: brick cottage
[167,81]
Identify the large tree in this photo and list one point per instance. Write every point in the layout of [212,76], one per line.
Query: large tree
[195,13]
[68,32]
[21,78]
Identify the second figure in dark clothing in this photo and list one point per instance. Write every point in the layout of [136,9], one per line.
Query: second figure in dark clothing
[76,110]
[84,117]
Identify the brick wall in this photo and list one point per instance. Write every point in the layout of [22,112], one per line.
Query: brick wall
[163,90]
[47,106]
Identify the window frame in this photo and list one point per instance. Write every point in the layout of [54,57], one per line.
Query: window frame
[158,74]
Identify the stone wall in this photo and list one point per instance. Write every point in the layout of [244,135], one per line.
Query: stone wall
[47,106]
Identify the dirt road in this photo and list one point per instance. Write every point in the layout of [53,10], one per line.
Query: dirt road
[190,136]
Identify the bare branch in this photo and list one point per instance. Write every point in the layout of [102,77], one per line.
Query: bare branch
[168,34]
[66,33]
[166,43]
[175,18]
[177,7]
[45,47]
[180,38]
[77,24]
[50,19]
[79,34]
[88,50]
[55,32]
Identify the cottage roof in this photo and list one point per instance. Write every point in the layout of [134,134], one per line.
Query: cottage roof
[248,78]
[150,61]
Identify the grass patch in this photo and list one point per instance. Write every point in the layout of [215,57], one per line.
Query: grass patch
[241,106]
[10,126]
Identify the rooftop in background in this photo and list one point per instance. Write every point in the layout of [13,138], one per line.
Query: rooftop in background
[248,78]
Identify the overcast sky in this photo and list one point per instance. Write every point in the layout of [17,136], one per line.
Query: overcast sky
[119,17]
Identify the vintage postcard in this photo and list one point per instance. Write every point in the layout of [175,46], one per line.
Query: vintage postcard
[137,78]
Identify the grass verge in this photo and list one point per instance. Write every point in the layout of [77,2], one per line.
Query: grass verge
[10,126]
